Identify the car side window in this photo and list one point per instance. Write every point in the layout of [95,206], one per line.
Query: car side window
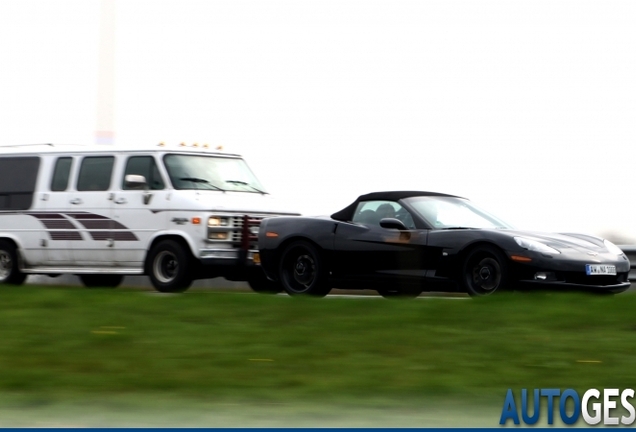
[61,174]
[95,173]
[371,212]
[144,166]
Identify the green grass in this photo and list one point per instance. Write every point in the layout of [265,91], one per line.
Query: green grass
[200,353]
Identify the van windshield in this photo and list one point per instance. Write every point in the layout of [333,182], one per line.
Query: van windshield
[211,173]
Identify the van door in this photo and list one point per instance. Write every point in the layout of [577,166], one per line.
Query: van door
[62,231]
[139,212]
[91,209]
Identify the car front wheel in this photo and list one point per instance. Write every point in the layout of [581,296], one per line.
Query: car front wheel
[10,274]
[302,270]
[169,267]
[485,271]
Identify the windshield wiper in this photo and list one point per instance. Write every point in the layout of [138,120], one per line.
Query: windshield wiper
[200,180]
[242,183]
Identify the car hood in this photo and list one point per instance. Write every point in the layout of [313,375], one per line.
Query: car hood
[563,241]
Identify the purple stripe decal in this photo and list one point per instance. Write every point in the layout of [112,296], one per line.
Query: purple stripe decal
[47,216]
[86,216]
[65,235]
[115,235]
[96,224]
[124,236]
[57,224]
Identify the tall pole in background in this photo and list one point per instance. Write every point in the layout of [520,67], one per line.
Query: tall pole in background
[105,128]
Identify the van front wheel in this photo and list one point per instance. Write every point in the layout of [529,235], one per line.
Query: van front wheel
[169,267]
[10,274]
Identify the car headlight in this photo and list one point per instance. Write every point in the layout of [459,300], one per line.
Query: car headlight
[216,221]
[536,246]
[612,248]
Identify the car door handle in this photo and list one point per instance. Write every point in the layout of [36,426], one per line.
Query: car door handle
[76,201]
[121,201]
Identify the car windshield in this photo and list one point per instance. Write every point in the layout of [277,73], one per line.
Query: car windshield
[453,213]
[211,173]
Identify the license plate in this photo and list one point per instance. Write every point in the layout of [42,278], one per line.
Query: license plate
[256,258]
[599,269]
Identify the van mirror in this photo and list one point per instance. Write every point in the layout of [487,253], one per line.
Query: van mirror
[134,181]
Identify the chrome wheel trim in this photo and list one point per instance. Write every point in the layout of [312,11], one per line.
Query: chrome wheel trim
[166,267]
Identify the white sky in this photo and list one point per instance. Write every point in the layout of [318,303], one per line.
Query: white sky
[526,107]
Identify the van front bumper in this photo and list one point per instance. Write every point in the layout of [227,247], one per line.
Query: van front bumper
[229,257]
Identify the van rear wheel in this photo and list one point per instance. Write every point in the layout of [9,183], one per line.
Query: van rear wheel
[10,274]
[101,280]
[168,267]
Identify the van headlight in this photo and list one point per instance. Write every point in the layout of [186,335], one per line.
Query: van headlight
[217,221]
[218,235]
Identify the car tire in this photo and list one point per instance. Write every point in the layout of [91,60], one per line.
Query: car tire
[10,274]
[302,271]
[400,293]
[101,280]
[168,267]
[485,271]
[260,284]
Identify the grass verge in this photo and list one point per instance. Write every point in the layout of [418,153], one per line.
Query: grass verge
[127,357]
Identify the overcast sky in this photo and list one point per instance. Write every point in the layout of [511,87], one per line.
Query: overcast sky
[526,107]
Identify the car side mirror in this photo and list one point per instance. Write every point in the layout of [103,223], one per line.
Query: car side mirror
[392,223]
[135,181]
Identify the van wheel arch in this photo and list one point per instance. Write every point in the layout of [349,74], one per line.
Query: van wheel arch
[170,264]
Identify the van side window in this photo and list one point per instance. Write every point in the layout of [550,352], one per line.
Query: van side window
[144,166]
[61,174]
[17,182]
[95,173]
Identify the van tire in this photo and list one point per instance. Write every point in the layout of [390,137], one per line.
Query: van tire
[10,274]
[168,267]
[101,280]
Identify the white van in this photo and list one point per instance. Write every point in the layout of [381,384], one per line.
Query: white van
[173,213]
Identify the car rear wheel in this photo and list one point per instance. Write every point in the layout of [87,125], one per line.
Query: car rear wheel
[10,274]
[485,271]
[260,284]
[302,270]
[101,280]
[169,267]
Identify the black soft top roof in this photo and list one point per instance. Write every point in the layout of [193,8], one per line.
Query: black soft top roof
[346,214]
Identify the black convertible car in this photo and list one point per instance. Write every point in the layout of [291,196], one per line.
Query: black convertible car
[403,243]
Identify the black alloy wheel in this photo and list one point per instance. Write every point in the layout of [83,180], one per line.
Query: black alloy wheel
[101,280]
[10,274]
[301,270]
[485,271]
[168,267]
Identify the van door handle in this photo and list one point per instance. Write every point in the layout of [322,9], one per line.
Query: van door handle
[76,201]
[120,201]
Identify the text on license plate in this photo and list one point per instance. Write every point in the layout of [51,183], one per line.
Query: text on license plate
[599,269]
